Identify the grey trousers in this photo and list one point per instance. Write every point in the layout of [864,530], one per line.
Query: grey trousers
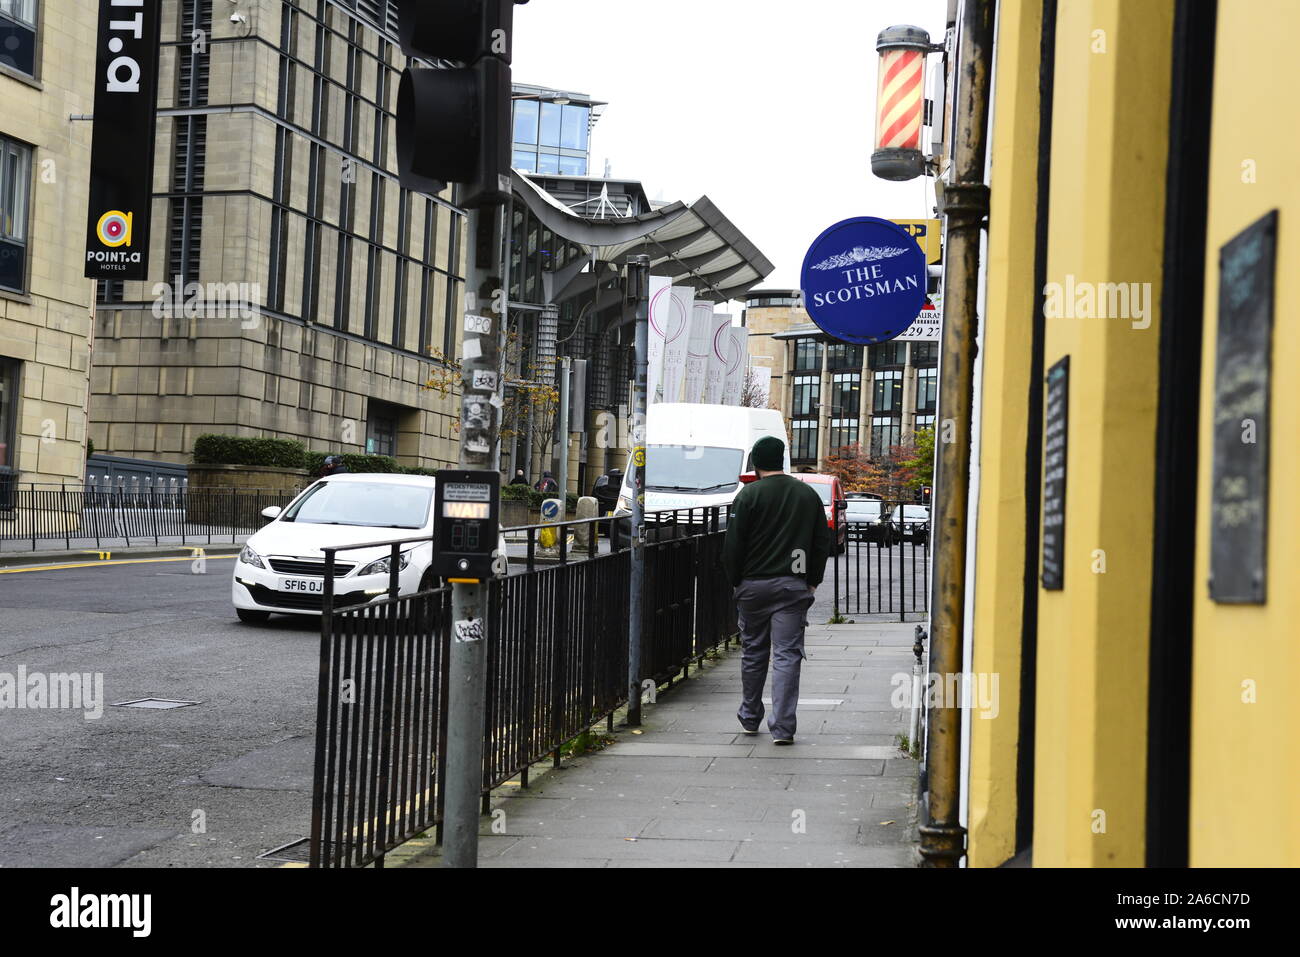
[773,615]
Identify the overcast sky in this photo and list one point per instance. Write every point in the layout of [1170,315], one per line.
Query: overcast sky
[765,107]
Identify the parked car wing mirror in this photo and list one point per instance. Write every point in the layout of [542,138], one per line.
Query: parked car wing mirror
[271,512]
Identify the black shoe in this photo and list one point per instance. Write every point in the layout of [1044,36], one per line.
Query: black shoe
[745,730]
[783,740]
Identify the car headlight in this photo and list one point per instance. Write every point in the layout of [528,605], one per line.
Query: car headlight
[380,567]
[624,504]
[250,557]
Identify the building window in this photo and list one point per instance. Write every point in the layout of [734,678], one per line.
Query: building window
[15,189]
[886,432]
[573,128]
[924,422]
[381,429]
[846,393]
[550,135]
[807,355]
[526,122]
[841,355]
[8,416]
[888,395]
[18,35]
[573,166]
[803,437]
[886,354]
[843,432]
[925,353]
[927,389]
[548,163]
[806,391]
[525,161]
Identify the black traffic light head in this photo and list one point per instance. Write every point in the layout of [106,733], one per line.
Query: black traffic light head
[461,30]
[453,125]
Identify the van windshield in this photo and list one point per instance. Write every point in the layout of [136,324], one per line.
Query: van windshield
[692,468]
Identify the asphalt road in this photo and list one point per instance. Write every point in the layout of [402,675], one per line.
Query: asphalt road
[214,784]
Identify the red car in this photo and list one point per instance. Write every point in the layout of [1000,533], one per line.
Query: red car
[832,496]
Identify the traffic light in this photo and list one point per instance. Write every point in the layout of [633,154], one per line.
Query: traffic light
[453,124]
[925,495]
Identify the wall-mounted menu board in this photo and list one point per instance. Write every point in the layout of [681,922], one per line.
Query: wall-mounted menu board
[1242,376]
[1056,407]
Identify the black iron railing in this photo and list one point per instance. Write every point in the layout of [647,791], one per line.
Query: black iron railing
[557,664]
[119,516]
[883,566]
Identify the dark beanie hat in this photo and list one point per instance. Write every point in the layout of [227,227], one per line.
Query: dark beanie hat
[769,454]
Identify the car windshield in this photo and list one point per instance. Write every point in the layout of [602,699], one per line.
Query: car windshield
[687,468]
[375,504]
[912,513]
[823,490]
[863,510]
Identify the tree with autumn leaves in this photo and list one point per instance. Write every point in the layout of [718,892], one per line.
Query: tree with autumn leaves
[894,475]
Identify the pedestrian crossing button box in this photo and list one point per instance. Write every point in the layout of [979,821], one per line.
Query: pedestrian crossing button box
[467,515]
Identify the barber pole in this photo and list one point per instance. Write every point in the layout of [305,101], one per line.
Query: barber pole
[900,102]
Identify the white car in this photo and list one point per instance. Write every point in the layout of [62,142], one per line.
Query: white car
[282,567]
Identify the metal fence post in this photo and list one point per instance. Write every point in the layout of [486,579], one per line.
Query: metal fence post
[638,275]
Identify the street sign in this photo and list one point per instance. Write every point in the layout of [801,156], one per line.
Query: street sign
[864,280]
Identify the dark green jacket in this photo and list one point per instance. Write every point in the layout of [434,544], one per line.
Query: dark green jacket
[777,527]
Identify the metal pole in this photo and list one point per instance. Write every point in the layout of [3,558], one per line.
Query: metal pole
[965,205]
[480,448]
[638,277]
[566,367]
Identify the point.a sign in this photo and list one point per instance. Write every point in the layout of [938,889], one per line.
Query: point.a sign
[122,144]
[864,280]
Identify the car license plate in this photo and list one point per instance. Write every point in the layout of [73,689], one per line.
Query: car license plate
[313,586]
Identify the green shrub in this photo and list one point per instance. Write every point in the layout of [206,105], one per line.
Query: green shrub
[533,498]
[354,462]
[231,450]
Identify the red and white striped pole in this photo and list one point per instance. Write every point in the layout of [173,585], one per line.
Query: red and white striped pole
[900,102]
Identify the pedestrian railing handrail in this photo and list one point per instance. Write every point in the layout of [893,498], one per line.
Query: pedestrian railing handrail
[557,663]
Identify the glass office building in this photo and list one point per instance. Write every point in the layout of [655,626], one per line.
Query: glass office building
[552,130]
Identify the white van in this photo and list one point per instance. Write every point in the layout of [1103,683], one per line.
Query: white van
[695,453]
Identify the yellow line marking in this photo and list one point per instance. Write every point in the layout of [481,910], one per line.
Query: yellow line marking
[118,561]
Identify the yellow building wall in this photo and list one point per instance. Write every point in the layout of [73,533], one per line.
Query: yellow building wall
[1110,117]
[1008,336]
[1245,787]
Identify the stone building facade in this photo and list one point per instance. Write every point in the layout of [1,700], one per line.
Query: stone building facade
[46,77]
[296,291]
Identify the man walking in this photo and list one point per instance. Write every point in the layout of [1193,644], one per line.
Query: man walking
[774,555]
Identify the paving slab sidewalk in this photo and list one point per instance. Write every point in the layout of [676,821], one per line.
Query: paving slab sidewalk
[690,790]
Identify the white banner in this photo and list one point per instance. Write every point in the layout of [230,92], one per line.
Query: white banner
[737,362]
[762,383]
[719,347]
[660,302]
[676,326]
[697,352]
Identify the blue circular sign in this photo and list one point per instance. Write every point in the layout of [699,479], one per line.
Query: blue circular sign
[550,508]
[864,280]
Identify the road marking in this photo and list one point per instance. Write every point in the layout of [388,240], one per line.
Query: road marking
[118,561]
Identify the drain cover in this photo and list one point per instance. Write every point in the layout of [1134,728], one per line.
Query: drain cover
[297,852]
[158,704]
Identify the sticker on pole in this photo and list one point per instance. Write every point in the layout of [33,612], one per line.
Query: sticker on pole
[469,629]
[863,280]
